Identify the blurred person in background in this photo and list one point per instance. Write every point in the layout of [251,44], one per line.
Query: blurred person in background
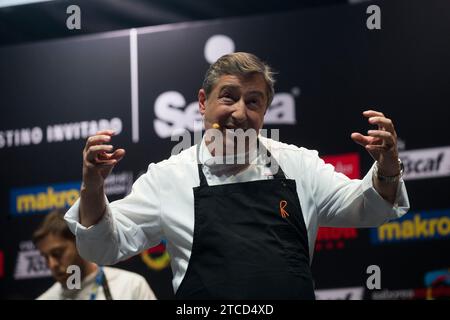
[57,244]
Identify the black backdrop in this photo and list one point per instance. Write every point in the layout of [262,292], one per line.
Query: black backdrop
[331,68]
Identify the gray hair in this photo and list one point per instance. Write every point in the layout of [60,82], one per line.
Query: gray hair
[239,64]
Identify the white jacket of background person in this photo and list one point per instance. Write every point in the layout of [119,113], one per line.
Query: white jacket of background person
[123,285]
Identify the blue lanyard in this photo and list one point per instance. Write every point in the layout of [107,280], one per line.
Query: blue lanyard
[98,283]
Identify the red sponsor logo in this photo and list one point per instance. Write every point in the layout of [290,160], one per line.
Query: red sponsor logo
[432,293]
[347,164]
[335,238]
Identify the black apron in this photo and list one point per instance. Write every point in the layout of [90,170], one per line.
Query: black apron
[249,242]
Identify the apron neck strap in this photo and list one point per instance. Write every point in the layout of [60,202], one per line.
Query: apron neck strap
[201,175]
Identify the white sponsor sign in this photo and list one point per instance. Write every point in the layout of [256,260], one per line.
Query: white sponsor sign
[426,163]
[354,293]
[30,263]
[60,132]
[119,183]
[173,114]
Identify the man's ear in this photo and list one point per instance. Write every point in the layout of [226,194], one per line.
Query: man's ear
[202,101]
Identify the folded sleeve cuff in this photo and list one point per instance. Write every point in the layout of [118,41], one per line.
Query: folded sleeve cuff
[401,204]
[104,228]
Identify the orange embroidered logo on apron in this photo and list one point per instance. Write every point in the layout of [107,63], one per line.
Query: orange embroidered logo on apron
[283,204]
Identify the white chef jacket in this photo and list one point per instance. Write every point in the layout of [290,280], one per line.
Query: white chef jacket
[123,285]
[161,204]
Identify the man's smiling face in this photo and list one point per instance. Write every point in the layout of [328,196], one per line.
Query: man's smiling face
[236,102]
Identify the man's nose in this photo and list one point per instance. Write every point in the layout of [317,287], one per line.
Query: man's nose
[239,114]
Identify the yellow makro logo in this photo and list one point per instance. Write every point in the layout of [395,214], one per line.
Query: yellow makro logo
[420,226]
[38,199]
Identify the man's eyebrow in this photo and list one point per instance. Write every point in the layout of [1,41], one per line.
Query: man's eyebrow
[229,86]
[56,248]
[235,87]
[258,93]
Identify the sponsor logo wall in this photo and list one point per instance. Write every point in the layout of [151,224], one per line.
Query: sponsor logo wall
[329,70]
